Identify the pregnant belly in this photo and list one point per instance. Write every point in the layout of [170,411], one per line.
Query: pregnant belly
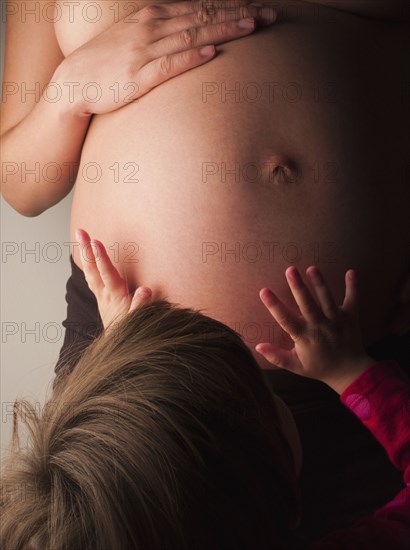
[207,188]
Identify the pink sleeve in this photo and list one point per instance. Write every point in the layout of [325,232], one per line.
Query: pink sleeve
[380,398]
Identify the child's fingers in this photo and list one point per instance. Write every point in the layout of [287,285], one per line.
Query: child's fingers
[325,297]
[88,261]
[110,277]
[304,299]
[285,318]
[351,300]
[141,296]
[282,358]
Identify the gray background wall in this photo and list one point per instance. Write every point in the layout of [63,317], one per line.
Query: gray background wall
[32,301]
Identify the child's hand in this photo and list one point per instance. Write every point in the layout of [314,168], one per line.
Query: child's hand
[328,344]
[103,279]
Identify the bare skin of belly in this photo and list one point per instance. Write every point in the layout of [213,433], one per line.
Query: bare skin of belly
[207,196]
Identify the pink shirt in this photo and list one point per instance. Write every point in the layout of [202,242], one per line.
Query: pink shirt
[380,398]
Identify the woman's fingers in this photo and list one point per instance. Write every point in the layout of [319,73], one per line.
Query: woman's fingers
[196,37]
[323,294]
[182,37]
[282,358]
[211,18]
[194,30]
[285,318]
[304,299]
[162,69]
[209,7]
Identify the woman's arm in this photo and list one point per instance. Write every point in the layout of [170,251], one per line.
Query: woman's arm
[42,138]
[35,134]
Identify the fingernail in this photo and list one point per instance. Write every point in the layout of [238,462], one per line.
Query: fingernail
[272,297]
[143,291]
[207,51]
[294,273]
[266,294]
[247,23]
[313,271]
[267,14]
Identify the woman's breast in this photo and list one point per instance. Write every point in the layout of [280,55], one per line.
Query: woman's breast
[285,149]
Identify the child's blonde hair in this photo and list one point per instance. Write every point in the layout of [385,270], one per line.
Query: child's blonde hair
[165,436]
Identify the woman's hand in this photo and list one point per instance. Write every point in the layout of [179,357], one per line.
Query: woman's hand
[103,279]
[328,344]
[150,46]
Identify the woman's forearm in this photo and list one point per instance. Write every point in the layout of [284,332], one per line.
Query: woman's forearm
[40,155]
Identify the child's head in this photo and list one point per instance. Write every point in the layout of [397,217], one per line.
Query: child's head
[165,436]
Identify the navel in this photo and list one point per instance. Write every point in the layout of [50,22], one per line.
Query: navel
[280,170]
